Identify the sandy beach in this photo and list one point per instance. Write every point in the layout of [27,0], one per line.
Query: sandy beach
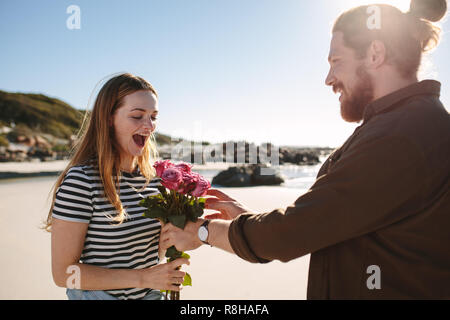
[26,264]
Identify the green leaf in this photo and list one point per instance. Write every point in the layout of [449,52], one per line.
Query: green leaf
[187,211]
[178,221]
[197,211]
[172,253]
[202,201]
[152,201]
[185,255]
[187,280]
[162,189]
[155,213]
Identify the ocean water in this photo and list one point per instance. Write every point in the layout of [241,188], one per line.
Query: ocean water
[297,177]
[302,177]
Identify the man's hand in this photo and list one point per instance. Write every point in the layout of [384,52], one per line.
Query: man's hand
[229,208]
[187,239]
[183,240]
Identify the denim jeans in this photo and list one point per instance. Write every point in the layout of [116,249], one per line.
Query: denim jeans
[75,294]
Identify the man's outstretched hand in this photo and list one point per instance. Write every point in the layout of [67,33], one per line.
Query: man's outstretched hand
[187,239]
[228,207]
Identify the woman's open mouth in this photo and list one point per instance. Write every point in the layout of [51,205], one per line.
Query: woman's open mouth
[140,140]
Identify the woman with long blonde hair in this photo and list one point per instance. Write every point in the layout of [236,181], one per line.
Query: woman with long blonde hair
[102,246]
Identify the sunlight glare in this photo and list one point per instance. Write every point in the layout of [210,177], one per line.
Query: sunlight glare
[403,5]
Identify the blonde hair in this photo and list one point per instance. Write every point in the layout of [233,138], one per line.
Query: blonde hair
[98,146]
[406,36]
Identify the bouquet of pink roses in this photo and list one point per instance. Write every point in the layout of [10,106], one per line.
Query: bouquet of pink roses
[178,202]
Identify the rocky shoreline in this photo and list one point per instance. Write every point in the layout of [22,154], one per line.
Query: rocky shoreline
[243,153]
[15,175]
[247,176]
[244,173]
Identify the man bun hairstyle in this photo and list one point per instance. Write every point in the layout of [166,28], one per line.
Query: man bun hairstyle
[406,36]
[431,10]
[424,12]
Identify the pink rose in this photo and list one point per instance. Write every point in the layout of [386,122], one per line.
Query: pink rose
[184,167]
[202,186]
[189,182]
[161,166]
[171,178]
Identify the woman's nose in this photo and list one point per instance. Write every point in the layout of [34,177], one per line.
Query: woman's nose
[149,124]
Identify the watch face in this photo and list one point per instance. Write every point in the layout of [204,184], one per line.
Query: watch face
[203,233]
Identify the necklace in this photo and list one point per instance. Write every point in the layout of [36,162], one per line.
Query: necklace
[123,178]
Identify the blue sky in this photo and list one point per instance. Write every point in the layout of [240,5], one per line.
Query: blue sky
[234,69]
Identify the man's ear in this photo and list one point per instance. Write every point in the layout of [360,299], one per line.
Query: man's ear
[376,54]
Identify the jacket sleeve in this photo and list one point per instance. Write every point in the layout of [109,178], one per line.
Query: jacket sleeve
[374,184]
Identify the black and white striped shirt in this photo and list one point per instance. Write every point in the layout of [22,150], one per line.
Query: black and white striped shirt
[130,245]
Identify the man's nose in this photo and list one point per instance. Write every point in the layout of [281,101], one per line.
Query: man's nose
[329,80]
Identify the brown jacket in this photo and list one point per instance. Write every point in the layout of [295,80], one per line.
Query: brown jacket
[382,199]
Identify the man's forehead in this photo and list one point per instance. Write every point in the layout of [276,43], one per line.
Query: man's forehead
[337,44]
[337,40]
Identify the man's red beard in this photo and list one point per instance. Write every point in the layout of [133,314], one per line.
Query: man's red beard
[353,106]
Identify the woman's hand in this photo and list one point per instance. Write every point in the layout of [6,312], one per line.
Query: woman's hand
[183,239]
[229,208]
[164,276]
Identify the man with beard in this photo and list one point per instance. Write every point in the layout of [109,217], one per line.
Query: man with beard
[377,219]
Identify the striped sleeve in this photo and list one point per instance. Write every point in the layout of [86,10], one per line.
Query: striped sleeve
[73,200]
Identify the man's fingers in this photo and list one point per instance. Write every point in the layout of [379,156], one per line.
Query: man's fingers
[213,216]
[219,194]
[222,206]
[210,202]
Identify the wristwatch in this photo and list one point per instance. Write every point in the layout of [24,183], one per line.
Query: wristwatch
[203,232]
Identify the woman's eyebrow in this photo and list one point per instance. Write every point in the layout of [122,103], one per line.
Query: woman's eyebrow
[143,110]
[138,109]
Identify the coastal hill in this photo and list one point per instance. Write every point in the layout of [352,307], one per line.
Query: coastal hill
[39,113]
[48,124]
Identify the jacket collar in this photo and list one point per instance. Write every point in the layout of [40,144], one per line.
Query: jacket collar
[390,101]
